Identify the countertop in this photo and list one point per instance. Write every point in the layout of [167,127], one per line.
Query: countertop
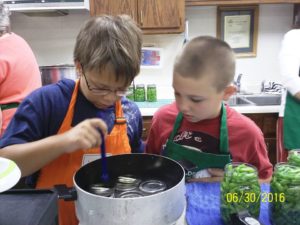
[149,108]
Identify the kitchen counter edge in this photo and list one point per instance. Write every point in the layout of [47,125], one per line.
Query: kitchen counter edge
[241,109]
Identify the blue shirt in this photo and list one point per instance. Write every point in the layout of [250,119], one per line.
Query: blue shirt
[42,112]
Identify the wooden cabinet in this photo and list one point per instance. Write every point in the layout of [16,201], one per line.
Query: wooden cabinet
[115,7]
[235,2]
[152,16]
[146,126]
[265,121]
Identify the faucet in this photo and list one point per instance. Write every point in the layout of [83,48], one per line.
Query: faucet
[262,90]
[237,82]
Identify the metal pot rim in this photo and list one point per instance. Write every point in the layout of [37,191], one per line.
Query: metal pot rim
[136,198]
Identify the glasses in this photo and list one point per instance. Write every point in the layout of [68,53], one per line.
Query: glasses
[104,91]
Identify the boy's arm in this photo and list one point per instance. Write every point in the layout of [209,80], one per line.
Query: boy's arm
[32,156]
[155,141]
[152,146]
[217,175]
[260,159]
[135,128]
[268,180]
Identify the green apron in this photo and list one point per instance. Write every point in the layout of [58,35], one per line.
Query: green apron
[9,106]
[291,123]
[201,160]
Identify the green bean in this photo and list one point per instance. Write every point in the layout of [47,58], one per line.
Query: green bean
[294,158]
[285,182]
[139,95]
[131,94]
[240,190]
[151,93]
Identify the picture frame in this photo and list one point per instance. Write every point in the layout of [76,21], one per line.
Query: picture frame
[238,26]
[152,57]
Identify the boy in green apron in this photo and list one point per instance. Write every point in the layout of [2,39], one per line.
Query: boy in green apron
[198,130]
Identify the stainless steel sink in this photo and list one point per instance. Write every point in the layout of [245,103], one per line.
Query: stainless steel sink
[257,99]
[266,99]
[239,101]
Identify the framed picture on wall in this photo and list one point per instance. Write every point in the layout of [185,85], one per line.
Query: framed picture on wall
[151,57]
[238,26]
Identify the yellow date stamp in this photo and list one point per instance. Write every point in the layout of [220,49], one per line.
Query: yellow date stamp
[251,197]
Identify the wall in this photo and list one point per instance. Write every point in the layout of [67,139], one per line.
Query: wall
[52,39]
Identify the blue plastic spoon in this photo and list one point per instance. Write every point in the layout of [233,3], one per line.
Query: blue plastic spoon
[104,173]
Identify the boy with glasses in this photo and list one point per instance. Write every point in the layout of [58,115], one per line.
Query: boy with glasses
[56,128]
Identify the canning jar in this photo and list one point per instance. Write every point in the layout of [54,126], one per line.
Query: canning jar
[294,157]
[240,190]
[285,189]
[130,94]
[139,95]
[151,93]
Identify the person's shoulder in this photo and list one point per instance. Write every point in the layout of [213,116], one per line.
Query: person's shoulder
[292,35]
[63,89]
[166,112]
[18,40]
[130,107]
[240,122]
[64,85]
[16,36]
[293,32]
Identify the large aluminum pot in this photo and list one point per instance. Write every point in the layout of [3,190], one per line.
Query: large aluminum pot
[163,208]
[52,74]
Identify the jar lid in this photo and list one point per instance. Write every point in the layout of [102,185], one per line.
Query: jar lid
[127,179]
[130,194]
[151,85]
[140,86]
[152,186]
[101,189]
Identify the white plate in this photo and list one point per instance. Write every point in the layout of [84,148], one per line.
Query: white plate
[10,174]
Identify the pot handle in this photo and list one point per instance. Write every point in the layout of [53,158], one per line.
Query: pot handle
[65,193]
[187,164]
[243,218]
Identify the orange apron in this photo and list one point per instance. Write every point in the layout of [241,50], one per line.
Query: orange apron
[61,170]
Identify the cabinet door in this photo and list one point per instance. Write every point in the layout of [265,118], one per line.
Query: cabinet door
[161,14]
[235,2]
[271,147]
[146,126]
[267,123]
[115,7]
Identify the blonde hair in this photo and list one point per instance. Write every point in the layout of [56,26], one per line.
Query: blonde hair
[114,40]
[207,55]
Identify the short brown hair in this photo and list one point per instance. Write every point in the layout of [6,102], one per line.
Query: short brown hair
[205,55]
[114,40]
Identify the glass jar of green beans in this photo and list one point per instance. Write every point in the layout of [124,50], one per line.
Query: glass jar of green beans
[139,95]
[240,190]
[130,94]
[285,190]
[151,93]
[294,157]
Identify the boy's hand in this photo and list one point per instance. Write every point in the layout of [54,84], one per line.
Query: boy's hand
[85,135]
[216,176]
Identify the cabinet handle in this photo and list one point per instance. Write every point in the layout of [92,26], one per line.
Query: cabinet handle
[141,17]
